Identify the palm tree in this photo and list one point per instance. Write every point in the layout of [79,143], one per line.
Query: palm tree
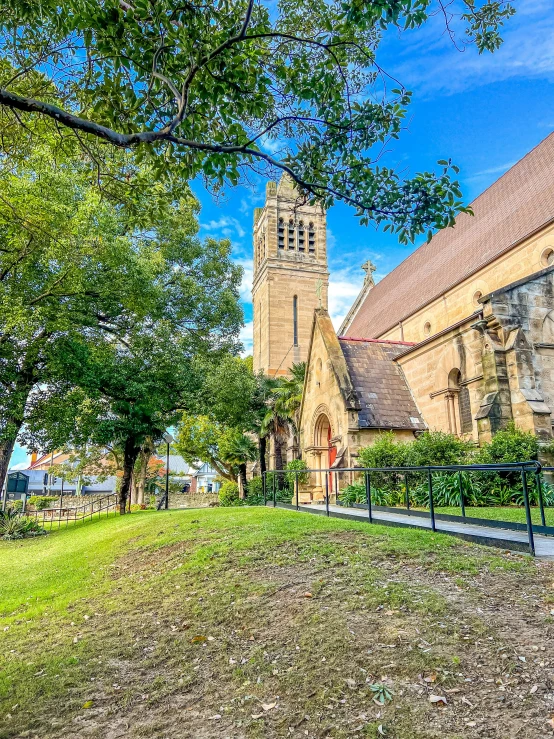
[288,397]
[277,425]
[238,450]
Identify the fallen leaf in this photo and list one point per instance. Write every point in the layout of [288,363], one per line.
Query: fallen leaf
[351,683]
[268,706]
[257,715]
[216,717]
[534,689]
[381,730]
[198,639]
[431,678]
[308,595]
[551,722]
[88,704]
[438,700]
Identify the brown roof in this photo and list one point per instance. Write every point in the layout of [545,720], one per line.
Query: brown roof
[514,207]
[384,398]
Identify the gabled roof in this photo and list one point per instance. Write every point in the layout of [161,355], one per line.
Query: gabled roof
[517,205]
[384,398]
[370,381]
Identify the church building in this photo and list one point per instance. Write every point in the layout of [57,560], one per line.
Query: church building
[459,337]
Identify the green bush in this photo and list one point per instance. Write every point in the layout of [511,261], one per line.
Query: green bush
[229,494]
[384,452]
[510,445]
[42,501]
[438,448]
[283,492]
[297,468]
[15,505]
[255,494]
[13,526]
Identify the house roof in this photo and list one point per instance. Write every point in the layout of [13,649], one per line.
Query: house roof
[517,205]
[384,397]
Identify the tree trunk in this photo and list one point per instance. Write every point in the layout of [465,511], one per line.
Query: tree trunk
[6,449]
[243,480]
[278,454]
[130,454]
[141,482]
[262,446]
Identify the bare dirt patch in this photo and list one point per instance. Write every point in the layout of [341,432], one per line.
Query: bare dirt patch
[303,638]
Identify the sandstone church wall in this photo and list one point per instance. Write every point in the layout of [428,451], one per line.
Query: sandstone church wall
[430,371]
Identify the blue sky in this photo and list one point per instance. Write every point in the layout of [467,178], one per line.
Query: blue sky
[485,112]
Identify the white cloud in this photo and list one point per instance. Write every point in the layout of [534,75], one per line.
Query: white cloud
[21,465]
[247,278]
[431,62]
[226,225]
[344,286]
[247,337]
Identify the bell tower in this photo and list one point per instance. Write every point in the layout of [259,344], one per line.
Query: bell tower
[290,277]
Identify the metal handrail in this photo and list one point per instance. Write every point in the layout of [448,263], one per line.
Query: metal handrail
[524,468]
[88,510]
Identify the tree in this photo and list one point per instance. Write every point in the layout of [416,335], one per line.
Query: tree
[125,387]
[73,262]
[225,448]
[237,450]
[213,89]
[288,397]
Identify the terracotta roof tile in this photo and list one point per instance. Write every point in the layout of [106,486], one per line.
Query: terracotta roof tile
[515,206]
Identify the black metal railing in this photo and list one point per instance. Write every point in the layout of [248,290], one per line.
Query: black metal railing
[47,518]
[527,478]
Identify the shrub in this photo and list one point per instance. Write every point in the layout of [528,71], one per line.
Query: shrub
[137,507]
[384,452]
[510,445]
[255,495]
[438,448]
[354,493]
[297,467]
[229,494]
[14,526]
[282,491]
[40,502]
[15,505]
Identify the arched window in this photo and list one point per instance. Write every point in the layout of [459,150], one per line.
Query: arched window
[301,236]
[291,234]
[311,237]
[464,404]
[295,320]
[281,234]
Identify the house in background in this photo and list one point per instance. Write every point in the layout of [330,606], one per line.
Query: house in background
[206,480]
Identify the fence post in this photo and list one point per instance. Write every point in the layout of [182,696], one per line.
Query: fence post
[539,495]
[461,487]
[336,486]
[431,504]
[528,512]
[327,493]
[264,488]
[274,491]
[296,486]
[407,492]
[368,496]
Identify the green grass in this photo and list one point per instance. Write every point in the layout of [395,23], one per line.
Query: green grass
[506,513]
[205,612]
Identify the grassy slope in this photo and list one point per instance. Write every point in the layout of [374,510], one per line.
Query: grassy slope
[98,628]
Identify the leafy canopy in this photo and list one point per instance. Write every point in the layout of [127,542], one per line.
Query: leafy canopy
[225,88]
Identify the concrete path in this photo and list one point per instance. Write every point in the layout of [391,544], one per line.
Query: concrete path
[503,538]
